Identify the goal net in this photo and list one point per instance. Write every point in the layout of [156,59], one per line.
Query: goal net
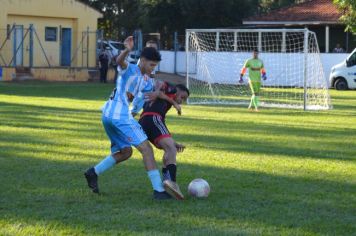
[295,77]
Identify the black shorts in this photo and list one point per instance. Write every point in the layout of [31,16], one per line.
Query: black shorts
[155,128]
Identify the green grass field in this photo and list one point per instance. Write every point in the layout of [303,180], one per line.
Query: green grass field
[277,172]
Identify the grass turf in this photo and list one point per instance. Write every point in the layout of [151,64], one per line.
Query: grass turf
[277,172]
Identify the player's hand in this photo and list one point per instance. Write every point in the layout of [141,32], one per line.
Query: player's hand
[129,43]
[180,147]
[151,96]
[241,79]
[178,108]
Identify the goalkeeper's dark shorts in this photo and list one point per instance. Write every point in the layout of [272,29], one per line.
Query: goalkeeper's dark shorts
[154,127]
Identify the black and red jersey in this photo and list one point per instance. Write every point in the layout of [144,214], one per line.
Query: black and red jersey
[160,106]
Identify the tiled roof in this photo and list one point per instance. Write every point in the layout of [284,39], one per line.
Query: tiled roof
[312,10]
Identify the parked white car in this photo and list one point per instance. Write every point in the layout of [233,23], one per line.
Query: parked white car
[114,48]
[343,75]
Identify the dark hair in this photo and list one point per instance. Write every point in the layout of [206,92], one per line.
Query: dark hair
[151,54]
[255,50]
[182,87]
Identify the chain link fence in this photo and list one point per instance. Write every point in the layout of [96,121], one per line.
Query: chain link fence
[48,47]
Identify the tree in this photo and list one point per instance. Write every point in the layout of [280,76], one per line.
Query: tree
[121,17]
[268,5]
[348,7]
[168,16]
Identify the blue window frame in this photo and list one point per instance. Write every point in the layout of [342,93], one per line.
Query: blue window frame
[51,34]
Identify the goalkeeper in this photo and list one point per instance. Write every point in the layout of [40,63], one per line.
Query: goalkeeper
[255,70]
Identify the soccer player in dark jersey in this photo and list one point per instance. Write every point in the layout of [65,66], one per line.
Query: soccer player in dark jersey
[152,121]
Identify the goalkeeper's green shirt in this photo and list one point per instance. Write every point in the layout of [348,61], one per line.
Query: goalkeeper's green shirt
[254,69]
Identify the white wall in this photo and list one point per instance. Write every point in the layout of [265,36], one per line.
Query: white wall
[293,71]
[330,59]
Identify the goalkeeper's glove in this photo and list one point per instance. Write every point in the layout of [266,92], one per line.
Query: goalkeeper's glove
[264,76]
[241,79]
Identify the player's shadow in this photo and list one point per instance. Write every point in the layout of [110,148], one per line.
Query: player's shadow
[75,90]
[50,118]
[260,138]
[44,184]
[53,193]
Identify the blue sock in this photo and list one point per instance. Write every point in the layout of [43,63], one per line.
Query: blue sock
[156,180]
[104,165]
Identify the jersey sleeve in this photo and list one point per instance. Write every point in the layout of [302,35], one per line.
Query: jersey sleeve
[137,104]
[247,64]
[244,68]
[139,100]
[123,71]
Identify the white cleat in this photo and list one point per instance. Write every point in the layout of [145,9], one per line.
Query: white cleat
[172,189]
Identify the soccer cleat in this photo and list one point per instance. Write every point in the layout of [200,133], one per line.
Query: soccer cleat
[172,189]
[161,195]
[92,179]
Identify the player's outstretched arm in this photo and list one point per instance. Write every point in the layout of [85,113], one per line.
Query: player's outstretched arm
[129,44]
[158,85]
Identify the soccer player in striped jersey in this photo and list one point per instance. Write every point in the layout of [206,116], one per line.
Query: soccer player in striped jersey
[138,101]
[120,126]
[255,70]
[152,121]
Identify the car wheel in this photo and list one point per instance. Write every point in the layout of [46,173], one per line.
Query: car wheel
[341,84]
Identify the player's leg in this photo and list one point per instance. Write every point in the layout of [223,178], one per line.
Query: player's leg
[120,151]
[169,172]
[252,102]
[105,74]
[139,139]
[102,71]
[153,174]
[257,89]
[163,140]
[169,158]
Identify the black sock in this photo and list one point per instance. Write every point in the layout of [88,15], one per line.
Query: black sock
[172,170]
[165,173]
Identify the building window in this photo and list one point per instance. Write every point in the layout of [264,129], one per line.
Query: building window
[51,34]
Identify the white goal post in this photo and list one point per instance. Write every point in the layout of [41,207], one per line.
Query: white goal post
[295,77]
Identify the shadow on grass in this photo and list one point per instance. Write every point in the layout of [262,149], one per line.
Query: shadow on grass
[85,91]
[89,126]
[325,144]
[54,194]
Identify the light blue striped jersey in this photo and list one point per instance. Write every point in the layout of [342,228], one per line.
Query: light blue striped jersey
[139,100]
[130,81]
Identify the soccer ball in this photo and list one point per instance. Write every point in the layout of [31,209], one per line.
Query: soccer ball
[199,188]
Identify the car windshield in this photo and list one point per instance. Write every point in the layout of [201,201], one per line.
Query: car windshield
[118,46]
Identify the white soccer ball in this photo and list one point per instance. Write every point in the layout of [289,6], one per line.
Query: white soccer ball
[199,188]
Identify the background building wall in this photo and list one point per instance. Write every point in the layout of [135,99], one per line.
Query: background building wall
[51,13]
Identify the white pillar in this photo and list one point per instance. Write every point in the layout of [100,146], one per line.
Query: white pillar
[235,41]
[217,41]
[284,48]
[260,41]
[327,38]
